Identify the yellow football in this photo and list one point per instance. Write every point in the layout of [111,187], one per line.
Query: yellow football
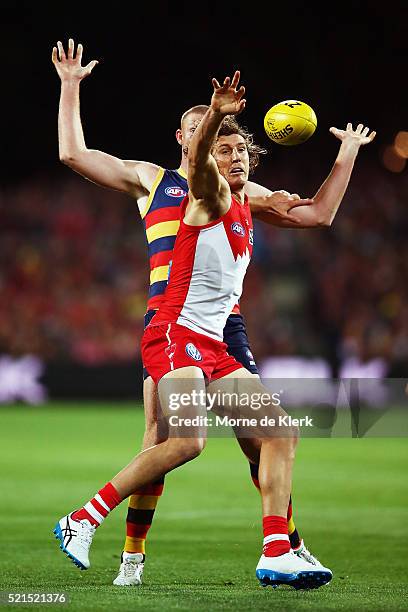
[290,122]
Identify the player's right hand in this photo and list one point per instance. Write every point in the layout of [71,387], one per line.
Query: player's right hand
[68,65]
[227,99]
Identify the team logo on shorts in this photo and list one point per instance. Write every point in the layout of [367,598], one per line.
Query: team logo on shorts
[251,236]
[175,192]
[193,352]
[238,229]
[170,350]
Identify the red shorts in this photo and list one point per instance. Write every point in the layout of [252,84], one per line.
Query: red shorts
[169,346]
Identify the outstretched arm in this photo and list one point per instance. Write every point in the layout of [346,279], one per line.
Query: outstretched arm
[106,170]
[322,210]
[208,189]
[274,207]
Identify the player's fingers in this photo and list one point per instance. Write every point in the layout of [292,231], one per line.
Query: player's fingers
[335,131]
[70,48]
[61,50]
[89,67]
[216,84]
[235,79]
[349,127]
[372,136]
[80,50]
[240,92]
[241,106]
[227,81]
[301,202]
[296,196]
[359,128]
[54,56]
[365,131]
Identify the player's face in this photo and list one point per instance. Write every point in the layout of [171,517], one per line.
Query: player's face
[231,155]
[187,130]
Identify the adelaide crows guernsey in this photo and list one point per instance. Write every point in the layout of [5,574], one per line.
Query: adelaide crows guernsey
[161,220]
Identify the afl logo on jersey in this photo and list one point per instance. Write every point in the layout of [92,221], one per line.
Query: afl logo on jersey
[193,352]
[238,229]
[175,192]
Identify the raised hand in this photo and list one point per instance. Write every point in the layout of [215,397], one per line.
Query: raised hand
[227,99]
[68,65]
[358,136]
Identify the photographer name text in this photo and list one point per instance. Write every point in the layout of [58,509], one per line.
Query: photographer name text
[225,421]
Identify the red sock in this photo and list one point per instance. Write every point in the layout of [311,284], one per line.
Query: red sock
[276,539]
[98,508]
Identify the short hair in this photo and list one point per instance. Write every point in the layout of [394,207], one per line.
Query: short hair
[231,126]
[200,109]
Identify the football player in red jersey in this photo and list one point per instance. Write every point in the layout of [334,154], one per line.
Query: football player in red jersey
[140,178]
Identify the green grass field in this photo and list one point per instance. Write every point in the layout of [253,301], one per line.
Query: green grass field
[350,504]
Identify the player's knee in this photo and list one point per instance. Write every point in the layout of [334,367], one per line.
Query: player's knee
[191,448]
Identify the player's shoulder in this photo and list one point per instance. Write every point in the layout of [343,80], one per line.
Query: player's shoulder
[147,173]
[153,174]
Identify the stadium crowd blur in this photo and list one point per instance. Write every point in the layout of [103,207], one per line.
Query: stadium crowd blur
[74,275]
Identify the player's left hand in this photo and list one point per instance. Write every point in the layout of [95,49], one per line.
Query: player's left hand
[359,136]
[227,99]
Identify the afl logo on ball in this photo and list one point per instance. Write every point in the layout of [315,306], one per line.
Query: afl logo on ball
[238,229]
[175,192]
[193,352]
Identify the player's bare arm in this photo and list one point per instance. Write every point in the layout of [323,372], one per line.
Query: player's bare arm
[133,177]
[209,192]
[274,207]
[329,196]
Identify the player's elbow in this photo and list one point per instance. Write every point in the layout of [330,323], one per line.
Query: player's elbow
[324,211]
[324,221]
[72,157]
[322,218]
[67,158]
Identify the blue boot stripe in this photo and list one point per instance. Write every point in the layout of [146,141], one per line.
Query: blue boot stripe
[265,573]
[58,534]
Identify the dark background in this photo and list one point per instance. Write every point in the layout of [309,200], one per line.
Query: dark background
[347,60]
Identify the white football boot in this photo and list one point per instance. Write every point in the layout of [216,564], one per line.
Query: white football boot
[131,570]
[76,539]
[303,553]
[292,570]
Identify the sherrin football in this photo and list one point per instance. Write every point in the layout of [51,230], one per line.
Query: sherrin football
[290,122]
